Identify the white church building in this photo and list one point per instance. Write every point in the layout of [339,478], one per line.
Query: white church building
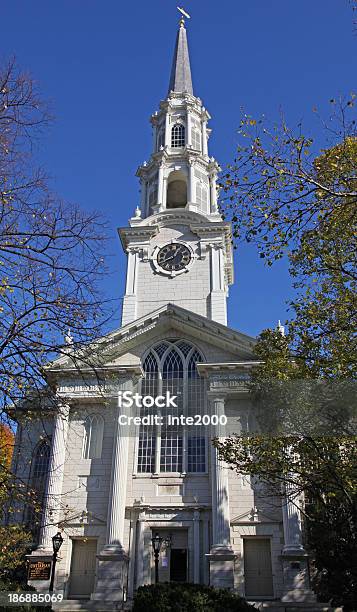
[110,486]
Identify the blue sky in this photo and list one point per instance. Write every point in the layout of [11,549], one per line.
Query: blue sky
[105,66]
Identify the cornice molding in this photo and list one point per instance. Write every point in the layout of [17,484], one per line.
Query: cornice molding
[169,316]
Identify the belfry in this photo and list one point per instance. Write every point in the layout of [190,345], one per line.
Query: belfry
[111,487]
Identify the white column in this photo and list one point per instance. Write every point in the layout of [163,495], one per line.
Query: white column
[191,183]
[143,196]
[206,549]
[218,297]
[130,288]
[116,507]
[196,547]
[132,558]
[204,138]
[296,587]
[140,550]
[160,187]
[221,269]
[291,522]
[164,192]
[52,504]
[213,191]
[189,135]
[220,500]
[129,309]
[215,267]
[167,130]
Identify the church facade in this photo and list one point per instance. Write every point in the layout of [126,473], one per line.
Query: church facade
[112,483]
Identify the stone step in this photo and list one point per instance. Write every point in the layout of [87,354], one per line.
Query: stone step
[88,605]
[280,606]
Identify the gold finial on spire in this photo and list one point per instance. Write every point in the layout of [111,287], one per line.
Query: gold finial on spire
[183,15]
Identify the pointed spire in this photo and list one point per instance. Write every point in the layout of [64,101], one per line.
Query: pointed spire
[281,328]
[180,79]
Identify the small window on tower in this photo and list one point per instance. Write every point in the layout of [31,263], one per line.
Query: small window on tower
[161,139]
[201,197]
[178,136]
[196,139]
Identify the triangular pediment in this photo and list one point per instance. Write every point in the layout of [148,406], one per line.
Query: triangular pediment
[169,318]
[253,517]
[82,519]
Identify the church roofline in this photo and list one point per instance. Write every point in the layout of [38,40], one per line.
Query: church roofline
[172,316]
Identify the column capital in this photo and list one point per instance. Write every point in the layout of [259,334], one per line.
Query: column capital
[142,516]
[217,396]
[126,383]
[62,409]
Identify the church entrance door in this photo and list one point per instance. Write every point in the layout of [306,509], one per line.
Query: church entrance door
[173,559]
[178,565]
[83,565]
[258,575]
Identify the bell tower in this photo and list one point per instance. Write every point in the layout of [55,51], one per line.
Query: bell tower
[178,246]
[180,174]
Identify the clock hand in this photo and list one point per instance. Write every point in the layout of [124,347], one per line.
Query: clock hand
[168,258]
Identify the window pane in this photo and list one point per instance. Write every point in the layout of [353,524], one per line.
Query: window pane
[196,453]
[172,435]
[39,473]
[93,436]
[147,433]
[196,399]
[171,367]
[178,136]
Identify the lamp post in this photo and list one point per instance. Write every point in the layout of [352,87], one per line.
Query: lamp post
[57,542]
[157,542]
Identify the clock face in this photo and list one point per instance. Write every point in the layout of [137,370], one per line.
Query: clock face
[174,257]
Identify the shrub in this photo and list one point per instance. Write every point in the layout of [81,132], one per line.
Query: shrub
[179,597]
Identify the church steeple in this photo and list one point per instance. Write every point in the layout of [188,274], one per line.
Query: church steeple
[181,79]
[179,247]
[180,173]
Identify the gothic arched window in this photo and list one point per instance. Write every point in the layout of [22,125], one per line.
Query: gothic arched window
[93,436]
[37,483]
[178,136]
[170,366]
[40,466]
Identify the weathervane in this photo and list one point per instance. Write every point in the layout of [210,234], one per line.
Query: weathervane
[184,14]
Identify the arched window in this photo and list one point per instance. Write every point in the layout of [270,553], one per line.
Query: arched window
[37,483]
[93,436]
[178,136]
[39,466]
[170,366]
[176,190]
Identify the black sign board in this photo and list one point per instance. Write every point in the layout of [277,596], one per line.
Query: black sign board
[39,570]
